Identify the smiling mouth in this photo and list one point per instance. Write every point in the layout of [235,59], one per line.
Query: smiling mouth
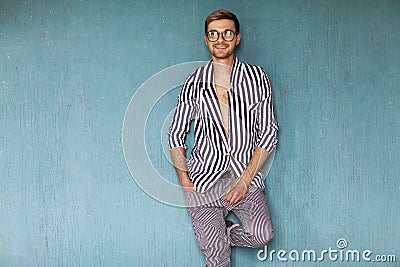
[221,46]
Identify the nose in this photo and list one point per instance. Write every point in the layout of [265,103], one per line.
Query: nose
[220,39]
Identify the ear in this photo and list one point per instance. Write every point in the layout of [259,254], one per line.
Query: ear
[238,37]
[205,39]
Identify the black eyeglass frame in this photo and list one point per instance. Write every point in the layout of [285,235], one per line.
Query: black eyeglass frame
[221,33]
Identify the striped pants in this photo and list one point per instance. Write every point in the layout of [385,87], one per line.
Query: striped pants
[208,211]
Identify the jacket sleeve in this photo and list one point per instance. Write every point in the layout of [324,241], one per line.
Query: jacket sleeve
[268,127]
[183,116]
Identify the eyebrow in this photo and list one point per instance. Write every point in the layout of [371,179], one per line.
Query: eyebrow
[223,30]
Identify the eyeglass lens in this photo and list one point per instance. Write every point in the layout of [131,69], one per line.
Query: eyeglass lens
[226,35]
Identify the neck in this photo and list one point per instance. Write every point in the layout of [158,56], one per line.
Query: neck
[222,73]
[223,61]
[221,69]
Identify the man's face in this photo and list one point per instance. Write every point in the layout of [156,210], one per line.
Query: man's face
[222,49]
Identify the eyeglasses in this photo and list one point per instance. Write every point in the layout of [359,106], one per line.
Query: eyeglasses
[227,35]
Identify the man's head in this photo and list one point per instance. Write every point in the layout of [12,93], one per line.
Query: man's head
[222,35]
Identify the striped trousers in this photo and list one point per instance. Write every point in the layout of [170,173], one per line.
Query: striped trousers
[208,211]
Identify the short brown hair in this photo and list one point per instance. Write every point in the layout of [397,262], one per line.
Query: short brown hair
[222,14]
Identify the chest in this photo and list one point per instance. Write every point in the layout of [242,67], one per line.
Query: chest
[222,95]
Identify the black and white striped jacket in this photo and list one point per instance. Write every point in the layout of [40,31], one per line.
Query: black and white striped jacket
[251,123]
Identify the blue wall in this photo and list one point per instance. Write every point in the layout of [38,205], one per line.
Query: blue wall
[68,70]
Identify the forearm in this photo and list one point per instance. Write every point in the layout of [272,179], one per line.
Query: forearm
[178,156]
[257,160]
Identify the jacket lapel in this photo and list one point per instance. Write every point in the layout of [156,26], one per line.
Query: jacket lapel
[210,103]
[209,100]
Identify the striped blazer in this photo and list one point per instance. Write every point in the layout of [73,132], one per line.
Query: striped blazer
[251,123]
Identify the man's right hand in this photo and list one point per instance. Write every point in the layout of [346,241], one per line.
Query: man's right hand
[179,160]
[188,189]
[187,184]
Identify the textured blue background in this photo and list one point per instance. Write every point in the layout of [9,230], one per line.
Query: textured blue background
[68,70]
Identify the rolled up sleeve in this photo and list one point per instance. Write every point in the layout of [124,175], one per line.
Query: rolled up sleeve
[267,136]
[182,119]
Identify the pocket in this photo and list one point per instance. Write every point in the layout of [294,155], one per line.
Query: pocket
[196,156]
[252,107]
[188,193]
[188,200]
[252,111]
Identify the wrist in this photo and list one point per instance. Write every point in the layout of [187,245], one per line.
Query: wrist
[244,184]
[246,178]
[187,183]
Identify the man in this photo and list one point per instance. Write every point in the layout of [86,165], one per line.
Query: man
[235,130]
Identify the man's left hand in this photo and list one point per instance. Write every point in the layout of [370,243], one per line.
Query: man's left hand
[237,192]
